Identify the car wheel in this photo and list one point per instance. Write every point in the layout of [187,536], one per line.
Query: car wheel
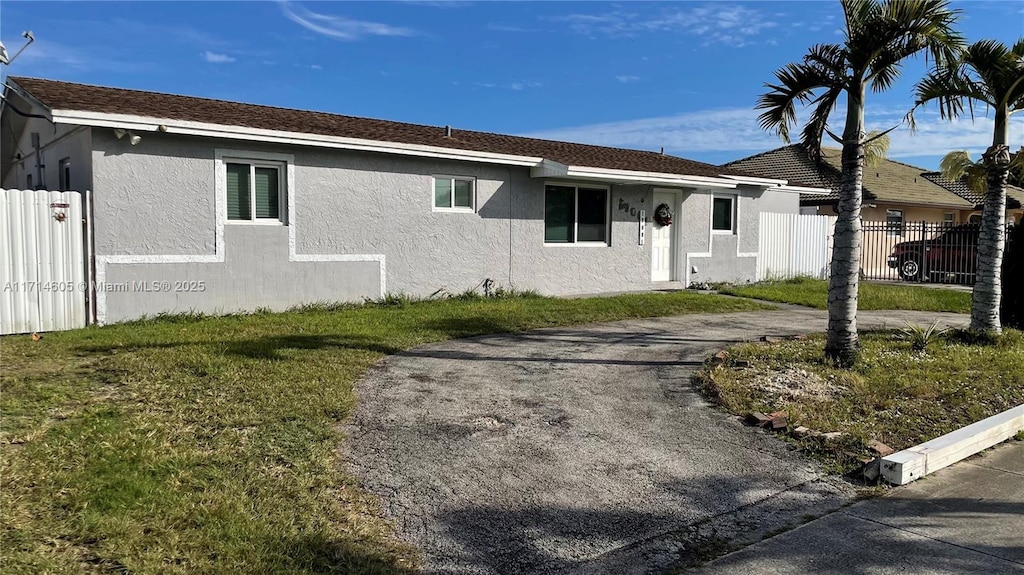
[910,269]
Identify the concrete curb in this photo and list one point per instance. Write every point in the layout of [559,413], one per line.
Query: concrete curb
[915,462]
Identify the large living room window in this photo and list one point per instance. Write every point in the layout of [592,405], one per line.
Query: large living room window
[575,215]
[255,191]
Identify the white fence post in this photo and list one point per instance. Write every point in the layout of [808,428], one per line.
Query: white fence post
[43,279]
[791,245]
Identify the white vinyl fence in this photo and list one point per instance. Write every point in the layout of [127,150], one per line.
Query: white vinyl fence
[43,274]
[792,245]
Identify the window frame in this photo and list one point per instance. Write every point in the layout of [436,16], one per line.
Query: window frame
[891,228]
[453,208]
[64,174]
[254,161]
[734,212]
[576,213]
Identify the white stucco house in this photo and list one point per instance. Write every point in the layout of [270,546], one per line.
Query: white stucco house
[273,207]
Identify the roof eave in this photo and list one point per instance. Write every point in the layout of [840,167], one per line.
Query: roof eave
[540,166]
[185,127]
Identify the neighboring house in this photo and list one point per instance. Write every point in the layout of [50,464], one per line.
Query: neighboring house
[241,206]
[894,192]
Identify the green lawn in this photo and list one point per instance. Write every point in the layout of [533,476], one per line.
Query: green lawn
[814,293]
[188,445]
[896,394]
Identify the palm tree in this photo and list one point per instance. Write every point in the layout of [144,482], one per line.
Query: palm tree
[879,35]
[987,73]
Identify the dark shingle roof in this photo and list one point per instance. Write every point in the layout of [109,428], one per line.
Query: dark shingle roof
[1014,195]
[888,181]
[81,97]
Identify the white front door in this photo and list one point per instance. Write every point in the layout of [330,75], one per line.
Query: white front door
[662,254]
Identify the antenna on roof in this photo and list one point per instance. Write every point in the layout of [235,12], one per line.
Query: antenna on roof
[5,59]
[663,150]
[447,131]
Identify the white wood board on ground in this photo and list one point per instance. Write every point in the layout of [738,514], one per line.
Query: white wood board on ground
[913,463]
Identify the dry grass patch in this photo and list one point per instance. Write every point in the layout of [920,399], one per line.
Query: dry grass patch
[897,394]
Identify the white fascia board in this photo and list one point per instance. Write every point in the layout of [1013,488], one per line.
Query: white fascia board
[148,124]
[549,169]
[750,180]
[803,190]
[630,176]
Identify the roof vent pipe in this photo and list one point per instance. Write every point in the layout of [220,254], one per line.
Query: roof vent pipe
[447,131]
[663,150]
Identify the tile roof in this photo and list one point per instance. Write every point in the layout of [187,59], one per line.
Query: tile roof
[1014,195]
[793,164]
[81,97]
[889,181]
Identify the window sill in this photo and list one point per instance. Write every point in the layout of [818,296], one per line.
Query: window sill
[724,232]
[576,245]
[455,210]
[255,223]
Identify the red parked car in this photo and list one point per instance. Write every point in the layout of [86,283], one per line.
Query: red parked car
[953,254]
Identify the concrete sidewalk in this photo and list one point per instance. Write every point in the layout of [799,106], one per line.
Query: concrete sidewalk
[968,518]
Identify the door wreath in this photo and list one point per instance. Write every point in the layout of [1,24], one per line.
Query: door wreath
[663,215]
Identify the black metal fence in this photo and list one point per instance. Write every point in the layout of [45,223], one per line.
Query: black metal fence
[920,251]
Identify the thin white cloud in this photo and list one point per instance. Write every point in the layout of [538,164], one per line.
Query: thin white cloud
[215,58]
[716,24]
[508,28]
[339,27]
[626,79]
[735,130]
[517,86]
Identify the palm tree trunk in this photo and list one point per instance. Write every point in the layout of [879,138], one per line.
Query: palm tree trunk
[841,344]
[988,286]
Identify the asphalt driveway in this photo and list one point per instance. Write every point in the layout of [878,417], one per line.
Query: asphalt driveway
[579,450]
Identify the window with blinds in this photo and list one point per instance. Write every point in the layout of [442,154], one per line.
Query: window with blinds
[255,191]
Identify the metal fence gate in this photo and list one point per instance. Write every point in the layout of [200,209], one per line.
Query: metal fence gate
[920,251]
[43,275]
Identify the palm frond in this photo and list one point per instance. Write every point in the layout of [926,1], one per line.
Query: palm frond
[817,124]
[952,90]
[958,165]
[876,148]
[1018,48]
[796,84]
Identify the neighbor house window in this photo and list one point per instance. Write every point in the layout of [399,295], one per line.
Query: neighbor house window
[575,214]
[894,222]
[255,191]
[723,214]
[65,174]
[949,217]
[454,193]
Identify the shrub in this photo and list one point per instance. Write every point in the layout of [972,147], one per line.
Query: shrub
[920,337]
[1012,309]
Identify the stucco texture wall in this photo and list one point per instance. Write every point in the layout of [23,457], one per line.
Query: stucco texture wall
[159,199]
[370,203]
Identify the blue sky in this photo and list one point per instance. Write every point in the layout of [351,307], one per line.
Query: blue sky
[683,75]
